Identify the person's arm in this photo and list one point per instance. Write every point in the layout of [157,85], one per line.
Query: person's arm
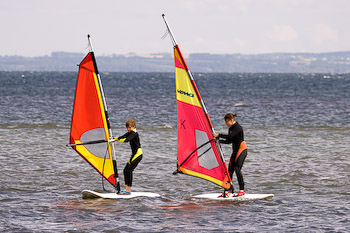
[122,138]
[229,138]
[224,136]
[126,137]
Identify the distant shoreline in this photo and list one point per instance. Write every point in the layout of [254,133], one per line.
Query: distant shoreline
[331,62]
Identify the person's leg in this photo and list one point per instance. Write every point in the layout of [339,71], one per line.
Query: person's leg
[238,167]
[128,172]
[127,177]
[230,171]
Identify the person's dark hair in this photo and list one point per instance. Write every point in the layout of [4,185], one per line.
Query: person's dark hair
[230,116]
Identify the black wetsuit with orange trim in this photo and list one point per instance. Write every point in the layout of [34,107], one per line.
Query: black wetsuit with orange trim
[239,151]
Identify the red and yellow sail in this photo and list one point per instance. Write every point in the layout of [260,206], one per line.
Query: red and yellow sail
[197,152]
[89,127]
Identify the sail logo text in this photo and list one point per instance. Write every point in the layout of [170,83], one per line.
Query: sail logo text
[185,93]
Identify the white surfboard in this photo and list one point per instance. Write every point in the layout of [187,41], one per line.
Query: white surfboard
[93,194]
[230,197]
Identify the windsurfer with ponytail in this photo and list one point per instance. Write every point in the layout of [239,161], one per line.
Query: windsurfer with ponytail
[239,150]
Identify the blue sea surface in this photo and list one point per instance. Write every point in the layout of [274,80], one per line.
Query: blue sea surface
[297,129]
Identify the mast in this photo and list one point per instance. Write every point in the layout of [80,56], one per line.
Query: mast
[189,74]
[106,114]
[101,88]
[169,30]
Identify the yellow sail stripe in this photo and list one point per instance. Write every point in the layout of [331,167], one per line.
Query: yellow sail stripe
[101,104]
[200,175]
[109,165]
[97,162]
[184,88]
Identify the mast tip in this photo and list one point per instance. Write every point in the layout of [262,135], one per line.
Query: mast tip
[88,35]
[163,15]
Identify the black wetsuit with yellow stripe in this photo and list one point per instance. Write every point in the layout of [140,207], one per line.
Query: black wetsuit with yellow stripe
[133,138]
[239,151]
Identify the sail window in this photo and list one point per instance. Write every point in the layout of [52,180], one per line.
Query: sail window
[206,156]
[98,149]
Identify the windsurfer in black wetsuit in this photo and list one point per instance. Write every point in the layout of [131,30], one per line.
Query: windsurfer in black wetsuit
[239,150]
[133,138]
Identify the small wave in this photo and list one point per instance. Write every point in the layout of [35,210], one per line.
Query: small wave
[241,105]
[159,127]
[324,127]
[31,126]
[165,126]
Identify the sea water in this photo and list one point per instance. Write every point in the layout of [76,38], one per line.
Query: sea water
[297,129]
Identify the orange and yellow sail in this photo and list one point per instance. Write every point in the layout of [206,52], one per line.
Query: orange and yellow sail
[89,127]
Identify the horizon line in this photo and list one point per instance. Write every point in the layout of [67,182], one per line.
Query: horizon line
[130,54]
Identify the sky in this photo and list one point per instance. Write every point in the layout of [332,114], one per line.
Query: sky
[40,27]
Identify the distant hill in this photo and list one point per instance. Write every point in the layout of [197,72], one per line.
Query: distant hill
[335,62]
